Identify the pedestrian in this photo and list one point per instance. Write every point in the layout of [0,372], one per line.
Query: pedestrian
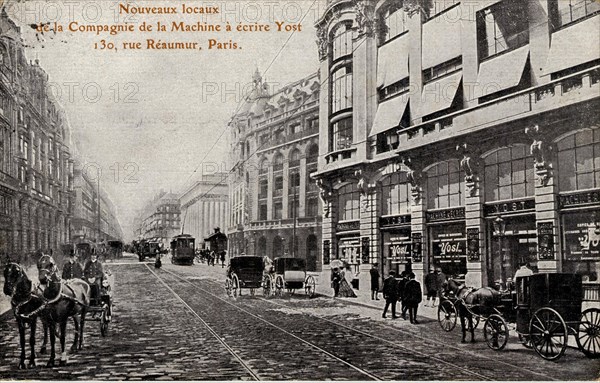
[440,283]
[223,258]
[374,282]
[413,295]
[390,294]
[401,284]
[336,279]
[430,286]
[346,277]
[72,269]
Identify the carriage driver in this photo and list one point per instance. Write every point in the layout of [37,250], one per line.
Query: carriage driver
[72,269]
[93,274]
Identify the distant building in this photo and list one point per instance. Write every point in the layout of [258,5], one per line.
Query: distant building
[160,218]
[274,205]
[204,206]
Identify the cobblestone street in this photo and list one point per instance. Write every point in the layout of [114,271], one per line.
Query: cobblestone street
[178,323]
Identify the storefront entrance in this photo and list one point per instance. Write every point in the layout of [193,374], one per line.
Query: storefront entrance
[448,249]
[581,243]
[397,250]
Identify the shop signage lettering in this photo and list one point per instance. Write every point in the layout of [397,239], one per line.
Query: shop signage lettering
[417,254]
[545,234]
[450,249]
[398,253]
[509,207]
[348,226]
[444,215]
[473,244]
[578,199]
[394,221]
[582,239]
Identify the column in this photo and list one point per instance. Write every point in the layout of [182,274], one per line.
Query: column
[475,225]
[546,212]
[302,194]
[418,227]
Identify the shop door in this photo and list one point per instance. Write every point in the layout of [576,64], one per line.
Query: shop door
[507,252]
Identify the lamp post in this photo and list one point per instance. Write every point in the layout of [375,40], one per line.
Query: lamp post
[500,230]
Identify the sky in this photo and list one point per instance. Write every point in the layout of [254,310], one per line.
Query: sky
[148,118]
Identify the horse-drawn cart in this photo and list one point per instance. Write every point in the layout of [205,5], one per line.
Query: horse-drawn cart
[289,274]
[100,308]
[244,272]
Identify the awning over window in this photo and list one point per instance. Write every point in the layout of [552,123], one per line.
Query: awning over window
[501,72]
[441,40]
[392,61]
[389,114]
[574,45]
[439,94]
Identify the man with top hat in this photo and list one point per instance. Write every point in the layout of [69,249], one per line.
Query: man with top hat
[93,274]
[72,269]
[390,294]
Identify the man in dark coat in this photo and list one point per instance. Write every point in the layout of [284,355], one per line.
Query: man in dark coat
[93,273]
[401,284]
[412,296]
[374,282]
[390,293]
[336,279]
[431,287]
[72,269]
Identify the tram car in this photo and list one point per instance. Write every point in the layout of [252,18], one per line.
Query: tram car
[148,248]
[183,250]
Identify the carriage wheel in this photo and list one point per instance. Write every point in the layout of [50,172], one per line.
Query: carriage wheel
[447,315]
[228,286]
[525,341]
[104,322]
[279,285]
[548,333]
[310,286]
[495,332]
[267,288]
[235,286]
[588,333]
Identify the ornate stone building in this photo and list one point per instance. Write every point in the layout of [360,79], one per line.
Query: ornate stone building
[36,172]
[463,136]
[274,205]
[160,218]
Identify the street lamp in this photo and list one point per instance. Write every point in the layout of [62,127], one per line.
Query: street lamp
[500,230]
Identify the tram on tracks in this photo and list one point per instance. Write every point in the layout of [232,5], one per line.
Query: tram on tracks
[183,249]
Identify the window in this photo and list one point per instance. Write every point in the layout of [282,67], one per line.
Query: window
[295,128]
[579,161]
[395,195]
[33,156]
[313,124]
[313,154]
[294,179]
[342,41]
[509,174]
[502,27]
[278,185]
[341,89]
[277,210]
[394,21]
[394,89]
[440,70]
[294,158]
[349,202]
[22,174]
[445,185]
[50,167]
[264,167]
[312,207]
[263,188]
[341,134]
[564,12]
[293,208]
[278,162]
[262,212]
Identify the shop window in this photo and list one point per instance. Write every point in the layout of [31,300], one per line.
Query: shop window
[579,161]
[341,89]
[341,134]
[565,12]
[581,239]
[393,21]
[341,43]
[509,174]
[445,185]
[395,195]
[501,27]
[348,202]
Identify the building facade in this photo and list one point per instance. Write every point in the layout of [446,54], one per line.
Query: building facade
[205,205]
[462,136]
[160,218]
[94,214]
[36,172]
[274,205]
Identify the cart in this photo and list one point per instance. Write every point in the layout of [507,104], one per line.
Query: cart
[244,272]
[100,308]
[289,274]
[547,309]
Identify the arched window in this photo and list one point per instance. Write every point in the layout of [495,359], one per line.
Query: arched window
[278,162]
[349,202]
[264,166]
[509,174]
[445,185]
[395,194]
[295,158]
[579,161]
[341,41]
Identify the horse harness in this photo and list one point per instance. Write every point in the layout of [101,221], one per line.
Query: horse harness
[45,301]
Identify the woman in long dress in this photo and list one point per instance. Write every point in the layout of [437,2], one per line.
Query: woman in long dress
[345,286]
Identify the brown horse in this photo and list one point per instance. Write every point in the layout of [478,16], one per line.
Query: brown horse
[26,307]
[472,301]
[63,300]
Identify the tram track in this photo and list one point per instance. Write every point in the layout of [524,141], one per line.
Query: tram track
[363,373]
[407,351]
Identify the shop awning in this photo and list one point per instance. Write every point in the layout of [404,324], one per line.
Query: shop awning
[392,61]
[574,45]
[501,72]
[441,40]
[439,94]
[389,114]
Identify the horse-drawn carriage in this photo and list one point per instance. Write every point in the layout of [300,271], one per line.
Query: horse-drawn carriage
[287,273]
[100,308]
[244,272]
[546,309]
[148,248]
